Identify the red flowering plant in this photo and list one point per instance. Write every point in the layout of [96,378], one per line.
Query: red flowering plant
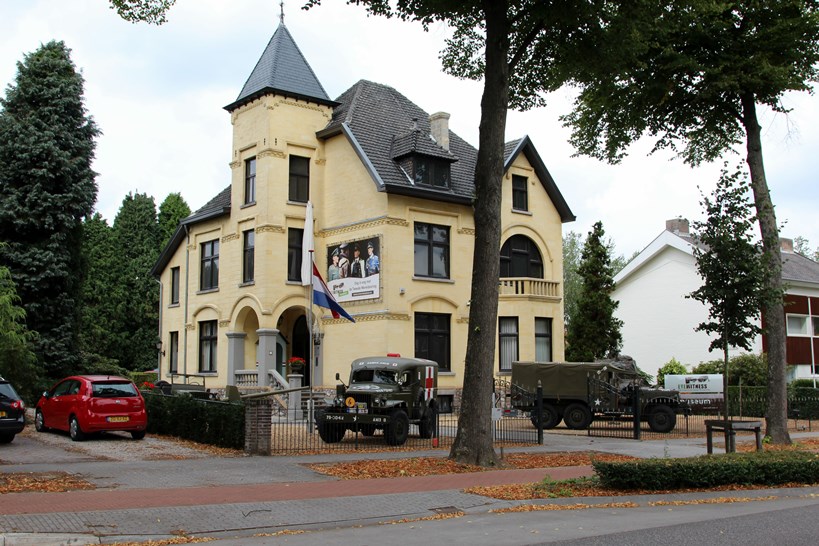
[148,385]
[296,364]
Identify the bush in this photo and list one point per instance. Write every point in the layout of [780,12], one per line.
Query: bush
[759,468]
[672,367]
[204,421]
[802,384]
[751,369]
[143,377]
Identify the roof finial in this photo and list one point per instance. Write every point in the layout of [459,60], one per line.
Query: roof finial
[281,15]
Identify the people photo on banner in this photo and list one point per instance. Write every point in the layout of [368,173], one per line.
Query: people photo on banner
[354,269]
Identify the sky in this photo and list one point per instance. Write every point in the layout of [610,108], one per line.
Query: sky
[158,92]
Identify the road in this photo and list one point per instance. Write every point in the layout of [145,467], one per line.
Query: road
[788,520]
[247,500]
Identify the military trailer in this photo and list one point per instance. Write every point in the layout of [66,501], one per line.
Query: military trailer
[386,393]
[576,392]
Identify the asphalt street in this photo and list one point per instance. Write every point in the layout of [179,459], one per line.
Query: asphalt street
[277,500]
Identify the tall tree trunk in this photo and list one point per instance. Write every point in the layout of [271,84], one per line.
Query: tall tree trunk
[773,308]
[473,443]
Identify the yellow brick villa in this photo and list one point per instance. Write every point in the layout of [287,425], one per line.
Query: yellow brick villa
[391,188]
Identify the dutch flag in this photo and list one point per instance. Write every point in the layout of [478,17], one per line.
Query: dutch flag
[324,298]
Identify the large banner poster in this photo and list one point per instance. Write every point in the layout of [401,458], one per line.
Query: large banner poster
[701,389]
[354,270]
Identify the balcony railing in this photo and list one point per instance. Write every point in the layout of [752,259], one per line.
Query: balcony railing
[528,287]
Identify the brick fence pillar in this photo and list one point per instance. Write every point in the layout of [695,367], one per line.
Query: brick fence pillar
[258,418]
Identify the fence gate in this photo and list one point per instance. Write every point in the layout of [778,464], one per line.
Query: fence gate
[510,425]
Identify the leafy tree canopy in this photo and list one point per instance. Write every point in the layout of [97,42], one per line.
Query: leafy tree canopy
[672,367]
[149,11]
[16,358]
[802,246]
[680,71]
[748,369]
[690,74]
[730,264]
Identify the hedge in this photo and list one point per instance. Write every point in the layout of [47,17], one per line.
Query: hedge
[203,421]
[758,468]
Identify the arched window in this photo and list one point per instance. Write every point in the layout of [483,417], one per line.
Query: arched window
[520,257]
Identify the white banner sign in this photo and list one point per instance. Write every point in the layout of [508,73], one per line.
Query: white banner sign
[696,386]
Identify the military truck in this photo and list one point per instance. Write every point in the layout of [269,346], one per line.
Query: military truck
[387,393]
[575,392]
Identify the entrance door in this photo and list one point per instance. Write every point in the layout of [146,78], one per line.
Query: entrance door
[301,346]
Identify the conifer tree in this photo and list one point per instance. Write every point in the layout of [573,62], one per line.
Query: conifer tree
[594,332]
[99,340]
[136,239]
[46,188]
[171,211]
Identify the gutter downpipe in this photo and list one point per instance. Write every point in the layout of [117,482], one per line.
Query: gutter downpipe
[159,351]
[187,297]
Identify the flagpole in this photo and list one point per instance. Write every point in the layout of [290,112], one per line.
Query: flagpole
[312,346]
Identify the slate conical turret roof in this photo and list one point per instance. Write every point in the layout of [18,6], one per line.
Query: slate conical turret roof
[282,69]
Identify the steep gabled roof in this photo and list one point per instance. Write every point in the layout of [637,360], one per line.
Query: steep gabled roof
[283,70]
[796,269]
[216,207]
[799,269]
[382,125]
[525,146]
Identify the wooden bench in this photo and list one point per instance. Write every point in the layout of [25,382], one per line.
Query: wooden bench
[729,428]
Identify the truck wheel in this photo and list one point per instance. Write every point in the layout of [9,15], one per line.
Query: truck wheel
[428,424]
[551,417]
[330,433]
[577,416]
[662,419]
[395,433]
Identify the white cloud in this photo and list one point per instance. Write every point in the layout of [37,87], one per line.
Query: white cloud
[157,93]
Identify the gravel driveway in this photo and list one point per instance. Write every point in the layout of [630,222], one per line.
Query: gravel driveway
[32,447]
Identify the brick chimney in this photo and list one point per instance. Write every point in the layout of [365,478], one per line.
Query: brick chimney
[677,226]
[439,128]
[786,245]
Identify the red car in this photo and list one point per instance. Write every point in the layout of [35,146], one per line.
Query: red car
[84,404]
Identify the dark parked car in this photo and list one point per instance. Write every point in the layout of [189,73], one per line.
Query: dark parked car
[12,412]
[84,404]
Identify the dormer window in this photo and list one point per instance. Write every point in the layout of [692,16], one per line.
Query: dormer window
[430,171]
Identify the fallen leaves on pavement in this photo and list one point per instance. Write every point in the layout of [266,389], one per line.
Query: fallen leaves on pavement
[446,515]
[716,500]
[429,466]
[41,482]
[802,444]
[551,507]
[164,542]
[590,487]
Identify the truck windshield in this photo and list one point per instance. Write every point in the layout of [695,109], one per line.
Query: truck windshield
[385,377]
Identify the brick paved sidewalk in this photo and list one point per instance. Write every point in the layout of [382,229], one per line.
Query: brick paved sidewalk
[83,501]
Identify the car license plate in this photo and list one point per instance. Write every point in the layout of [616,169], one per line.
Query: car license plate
[118,419]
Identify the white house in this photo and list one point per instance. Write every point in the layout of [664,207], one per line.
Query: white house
[659,320]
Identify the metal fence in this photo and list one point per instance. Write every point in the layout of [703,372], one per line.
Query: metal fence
[618,422]
[293,431]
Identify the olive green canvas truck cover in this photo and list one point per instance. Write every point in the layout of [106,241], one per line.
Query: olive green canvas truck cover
[574,392]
